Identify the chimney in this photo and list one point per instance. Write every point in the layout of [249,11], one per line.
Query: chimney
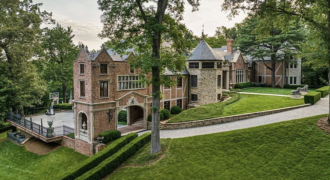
[230,43]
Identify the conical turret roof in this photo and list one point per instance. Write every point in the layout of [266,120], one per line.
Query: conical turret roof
[203,52]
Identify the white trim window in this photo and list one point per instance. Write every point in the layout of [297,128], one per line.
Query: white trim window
[129,82]
[239,75]
[81,68]
[82,88]
[104,89]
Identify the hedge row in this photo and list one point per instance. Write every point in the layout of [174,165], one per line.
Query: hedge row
[95,160]
[5,128]
[63,106]
[312,97]
[111,163]
[288,86]
[249,84]
[323,90]
[110,135]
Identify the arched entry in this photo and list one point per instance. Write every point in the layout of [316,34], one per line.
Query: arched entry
[135,119]
[83,126]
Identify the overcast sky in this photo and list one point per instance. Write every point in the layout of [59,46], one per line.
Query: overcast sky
[84,18]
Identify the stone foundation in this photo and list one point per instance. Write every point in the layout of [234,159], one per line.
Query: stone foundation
[68,142]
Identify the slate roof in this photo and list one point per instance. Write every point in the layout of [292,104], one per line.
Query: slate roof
[203,52]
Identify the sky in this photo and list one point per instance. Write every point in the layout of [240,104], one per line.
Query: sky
[84,18]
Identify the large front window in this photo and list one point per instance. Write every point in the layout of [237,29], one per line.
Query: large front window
[129,82]
[239,75]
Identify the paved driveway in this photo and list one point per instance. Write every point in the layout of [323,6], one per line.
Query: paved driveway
[321,107]
[59,119]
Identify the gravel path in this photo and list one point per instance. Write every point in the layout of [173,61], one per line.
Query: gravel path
[321,107]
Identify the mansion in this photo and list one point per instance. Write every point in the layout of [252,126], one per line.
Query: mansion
[105,84]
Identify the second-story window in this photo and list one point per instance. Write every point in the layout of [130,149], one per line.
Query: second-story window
[129,82]
[82,68]
[219,65]
[193,80]
[103,68]
[208,65]
[104,89]
[82,88]
[219,80]
[194,65]
[179,82]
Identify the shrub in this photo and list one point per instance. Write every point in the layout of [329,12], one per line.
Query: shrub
[95,160]
[166,113]
[111,163]
[288,86]
[122,116]
[324,91]
[243,85]
[5,127]
[161,116]
[63,106]
[150,117]
[312,97]
[110,135]
[176,110]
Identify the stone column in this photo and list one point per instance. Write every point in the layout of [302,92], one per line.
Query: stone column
[227,80]
[128,115]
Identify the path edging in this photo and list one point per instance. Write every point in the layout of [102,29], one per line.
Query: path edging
[220,120]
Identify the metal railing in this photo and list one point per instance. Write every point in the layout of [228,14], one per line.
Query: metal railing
[37,128]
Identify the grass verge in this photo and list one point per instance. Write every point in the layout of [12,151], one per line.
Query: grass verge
[269,90]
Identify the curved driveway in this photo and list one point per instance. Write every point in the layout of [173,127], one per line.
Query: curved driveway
[321,107]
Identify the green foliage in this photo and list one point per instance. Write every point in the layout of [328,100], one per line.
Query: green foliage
[71,135]
[176,110]
[243,85]
[110,135]
[288,86]
[312,97]
[122,116]
[295,149]
[227,32]
[324,91]
[63,106]
[95,160]
[150,117]
[216,41]
[110,164]
[166,113]
[161,116]
[30,165]
[5,127]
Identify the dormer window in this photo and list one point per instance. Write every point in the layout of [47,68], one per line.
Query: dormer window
[81,69]
[103,68]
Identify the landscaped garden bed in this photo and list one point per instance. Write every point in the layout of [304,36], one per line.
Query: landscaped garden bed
[295,149]
[238,104]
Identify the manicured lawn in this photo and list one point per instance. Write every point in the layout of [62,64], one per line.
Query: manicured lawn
[269,90]
[254,103]
[288,150]
[17,163]
[246,104]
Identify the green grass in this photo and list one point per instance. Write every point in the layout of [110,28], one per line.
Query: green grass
[18,163]
[246,104]
[269,90]
[254,103]
[288,150]
[3,135]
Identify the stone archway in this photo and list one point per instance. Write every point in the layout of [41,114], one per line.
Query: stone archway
[135,115]
[83,126]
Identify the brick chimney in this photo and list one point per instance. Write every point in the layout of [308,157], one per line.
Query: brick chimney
[230,43]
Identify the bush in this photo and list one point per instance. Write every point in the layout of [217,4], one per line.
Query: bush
[312,97]
[288,86]
[111,163]
[63,106]
[160,114]
[243,85]
[176,110]
[166,113]
[110,135]
[323,90]
[122,116]
[95,160]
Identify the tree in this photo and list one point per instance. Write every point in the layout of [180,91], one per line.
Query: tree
[20,35]
[278,45]
[216,41]
[146,24]
[60,52]
[316,15]
[227,32]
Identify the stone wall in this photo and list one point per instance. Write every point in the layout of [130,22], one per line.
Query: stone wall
[213,121]
[68,142]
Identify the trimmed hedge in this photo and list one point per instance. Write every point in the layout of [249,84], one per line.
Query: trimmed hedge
[243,85]
[312,97]
[323,90]
[5,128]
[63,106]
[288,86]
[111,163]
[95,160]
[166,113]
[122,116]
[176,110]
[110,135]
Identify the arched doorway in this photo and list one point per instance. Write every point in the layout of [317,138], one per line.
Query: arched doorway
[135,116]
[83,126]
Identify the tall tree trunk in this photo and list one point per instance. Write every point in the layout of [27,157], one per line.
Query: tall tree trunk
[328,40]
[64,92]
[273,73]
[11,77]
